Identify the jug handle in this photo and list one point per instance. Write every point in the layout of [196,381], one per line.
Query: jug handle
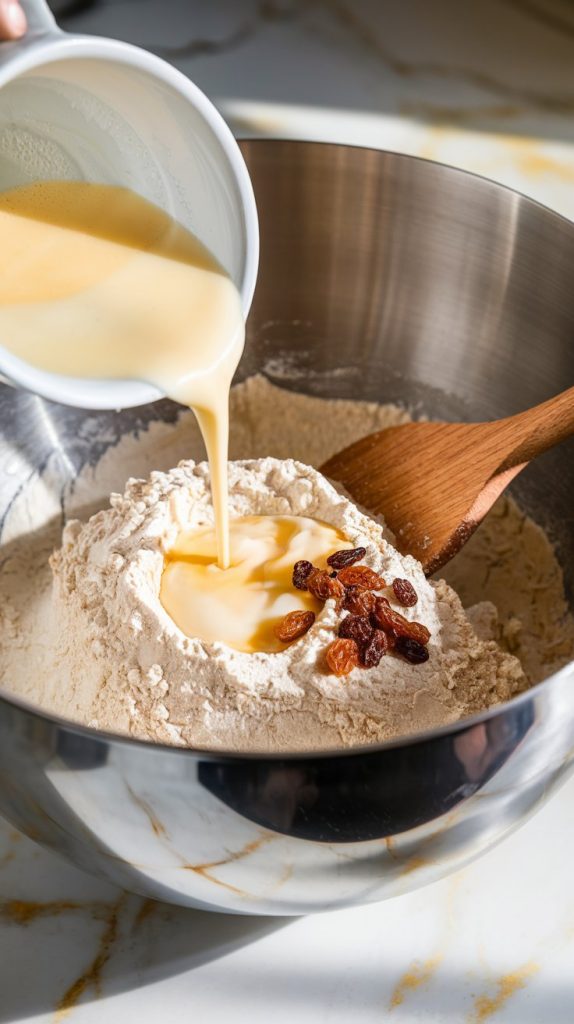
[41,22]
[41,25]
[40,19]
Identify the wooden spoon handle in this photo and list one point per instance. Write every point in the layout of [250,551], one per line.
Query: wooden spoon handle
[538,429]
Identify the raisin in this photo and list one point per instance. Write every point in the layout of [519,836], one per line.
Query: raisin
[411,650]
[357,628]
[382,615]
[361,576]
[385,617]
[405,593]
[418,632]
[377,647]
[359,601]
[301,572]
[341,559]
[342,656]
[320,585]
[294,625]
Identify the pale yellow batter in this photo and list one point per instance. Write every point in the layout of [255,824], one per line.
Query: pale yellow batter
[97,282]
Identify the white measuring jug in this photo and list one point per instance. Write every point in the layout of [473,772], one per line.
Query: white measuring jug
[84,108]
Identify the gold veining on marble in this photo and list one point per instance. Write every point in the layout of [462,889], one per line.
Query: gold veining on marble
[533,162]
[422,849]
[91,978]
[23,912]
[458,116]
[418,974]
[147,909]
[285,876]
[529,156]
[157,827]
[414,864]
[26,912]
[540,13]
[7,857]
[485,1006]
[204,870]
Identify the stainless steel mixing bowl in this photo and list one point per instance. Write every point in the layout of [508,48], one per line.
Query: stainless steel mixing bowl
[417,283]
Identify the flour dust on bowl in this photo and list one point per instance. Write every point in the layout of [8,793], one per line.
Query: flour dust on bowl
[432,289]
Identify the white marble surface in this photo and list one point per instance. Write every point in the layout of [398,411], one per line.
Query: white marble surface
[487,86]
[495,941]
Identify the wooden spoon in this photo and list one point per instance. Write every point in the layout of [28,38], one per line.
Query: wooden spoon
[435,482]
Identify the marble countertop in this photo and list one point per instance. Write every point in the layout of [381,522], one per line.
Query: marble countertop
[492,942]
[485,86]
[488,87]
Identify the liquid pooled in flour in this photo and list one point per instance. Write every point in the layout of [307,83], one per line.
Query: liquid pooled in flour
[97,282]
[242,605]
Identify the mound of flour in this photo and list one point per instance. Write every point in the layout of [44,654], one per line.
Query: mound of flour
[122,663]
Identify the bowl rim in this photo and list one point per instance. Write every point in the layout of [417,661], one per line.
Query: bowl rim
[328,753]
[428,735]
[495,186]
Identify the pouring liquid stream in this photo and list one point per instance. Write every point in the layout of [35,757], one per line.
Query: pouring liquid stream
[96,282]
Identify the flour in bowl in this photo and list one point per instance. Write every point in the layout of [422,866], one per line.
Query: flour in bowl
[119,663]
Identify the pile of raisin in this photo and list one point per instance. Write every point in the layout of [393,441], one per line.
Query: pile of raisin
[371,628]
